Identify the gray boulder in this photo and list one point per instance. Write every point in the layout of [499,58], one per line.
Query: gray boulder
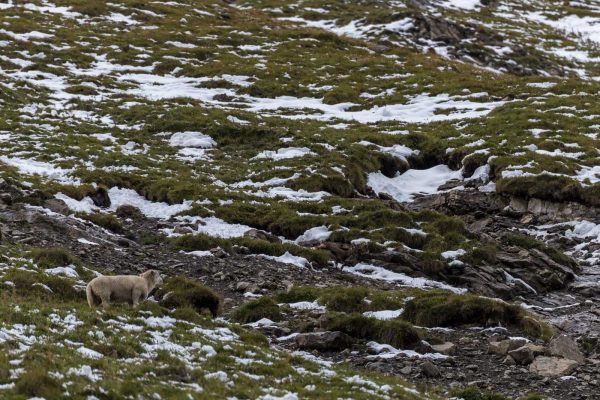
[262,235]
[502,347]
[552,366]
[565,347]
[58,206]
[525,355]
[430,370]
[324,341]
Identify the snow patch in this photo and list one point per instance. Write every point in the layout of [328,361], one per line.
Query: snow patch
[285,153]
[307,305]
[387,351]
[64,271]
[288,258]
[404,187]
[89,353]
[318,234]
[191,139]
[374,272]
[384,314]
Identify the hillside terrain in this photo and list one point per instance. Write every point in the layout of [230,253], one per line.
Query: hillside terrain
[392,199]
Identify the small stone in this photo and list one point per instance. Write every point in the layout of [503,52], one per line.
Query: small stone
[423,347]
[447,348]
[129,211]
[500,347]
[380,48]
[377,366]
[219,252]
[182,230]
[524,355]
[242,286]
[406,370]
[262,235]
[430,370]
[509,361]
[100,197]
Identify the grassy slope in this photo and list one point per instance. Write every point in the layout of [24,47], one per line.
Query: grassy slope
[285,60]
[147,352]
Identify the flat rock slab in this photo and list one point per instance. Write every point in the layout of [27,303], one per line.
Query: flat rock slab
[447,348]
[324,341]
[564,346]
[552,366]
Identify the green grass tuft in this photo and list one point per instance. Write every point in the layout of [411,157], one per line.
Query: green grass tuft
[400,334]
[107,221]
[351,299]
[298,293]
[528,242]
[48,257]
[438,309]
[252,311]
[31,285]
[37,382]
[4,368]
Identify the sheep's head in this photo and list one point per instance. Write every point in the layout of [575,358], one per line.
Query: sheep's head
[153,276]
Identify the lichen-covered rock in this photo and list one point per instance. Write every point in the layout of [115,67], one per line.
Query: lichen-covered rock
[552,366]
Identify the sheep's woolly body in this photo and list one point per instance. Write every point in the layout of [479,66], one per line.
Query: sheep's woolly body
[132,289]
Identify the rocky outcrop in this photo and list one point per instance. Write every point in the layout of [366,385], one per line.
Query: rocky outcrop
[559,358]
[535,269]
[471,42]
[474,202]
[58,206]
[553,211]
[440,29]
[514,270]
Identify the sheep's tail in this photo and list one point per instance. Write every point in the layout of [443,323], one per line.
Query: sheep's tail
[90,295]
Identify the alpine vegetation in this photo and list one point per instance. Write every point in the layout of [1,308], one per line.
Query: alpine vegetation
[265,199]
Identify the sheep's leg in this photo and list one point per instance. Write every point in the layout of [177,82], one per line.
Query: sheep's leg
[136,297]
[105,303]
